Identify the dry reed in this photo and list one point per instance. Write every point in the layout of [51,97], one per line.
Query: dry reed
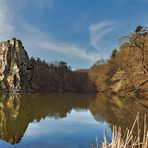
[130,139]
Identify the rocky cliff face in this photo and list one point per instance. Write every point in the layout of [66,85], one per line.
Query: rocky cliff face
[15,68]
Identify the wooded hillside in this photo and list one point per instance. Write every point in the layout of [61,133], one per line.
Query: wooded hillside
[59,77]
[126,72]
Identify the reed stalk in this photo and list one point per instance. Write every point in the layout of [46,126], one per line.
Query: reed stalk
[130,139]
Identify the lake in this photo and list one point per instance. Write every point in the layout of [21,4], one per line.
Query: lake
[66,120]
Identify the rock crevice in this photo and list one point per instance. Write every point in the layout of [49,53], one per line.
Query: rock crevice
[15,67]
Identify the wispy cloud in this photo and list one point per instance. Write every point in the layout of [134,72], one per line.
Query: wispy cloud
[37,38]
[98,31]
[9,15]
[37,3]
[40,39]
[6,26]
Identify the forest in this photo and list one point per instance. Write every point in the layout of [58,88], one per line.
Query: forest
[59,77]
[126,72]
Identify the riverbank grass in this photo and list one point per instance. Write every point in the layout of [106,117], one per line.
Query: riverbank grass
[130,138]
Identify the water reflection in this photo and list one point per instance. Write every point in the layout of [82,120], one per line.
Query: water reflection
[118,111]
[17,111]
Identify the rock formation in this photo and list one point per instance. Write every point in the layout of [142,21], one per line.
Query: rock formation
[15,68]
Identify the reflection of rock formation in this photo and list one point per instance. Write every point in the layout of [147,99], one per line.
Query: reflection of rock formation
[9,114]
[15,68]
[17,111]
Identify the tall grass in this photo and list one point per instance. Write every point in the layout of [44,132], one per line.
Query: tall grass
[130,138]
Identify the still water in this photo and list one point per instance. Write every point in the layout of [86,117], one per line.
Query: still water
[63,120]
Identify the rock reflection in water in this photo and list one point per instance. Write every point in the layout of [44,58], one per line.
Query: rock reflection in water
[17,111]
[11,128]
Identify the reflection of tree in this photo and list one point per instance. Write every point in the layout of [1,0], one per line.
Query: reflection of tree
[117,111]
[17,111]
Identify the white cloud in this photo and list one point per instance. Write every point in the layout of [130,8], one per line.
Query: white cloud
[42,40]
[37,38]
[9,14]
[98,31]
[5,19]
[69,49]
[40,5]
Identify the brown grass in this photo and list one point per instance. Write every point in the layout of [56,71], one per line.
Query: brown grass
[130,139]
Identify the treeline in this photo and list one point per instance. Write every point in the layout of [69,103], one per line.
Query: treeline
[58,77]
[126,72]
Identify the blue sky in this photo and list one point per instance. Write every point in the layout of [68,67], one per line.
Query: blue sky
[78,32]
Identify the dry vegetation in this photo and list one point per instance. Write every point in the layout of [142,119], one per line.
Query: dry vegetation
[126,72]
[130,138]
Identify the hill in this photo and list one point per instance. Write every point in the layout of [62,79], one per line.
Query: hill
[126,72]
